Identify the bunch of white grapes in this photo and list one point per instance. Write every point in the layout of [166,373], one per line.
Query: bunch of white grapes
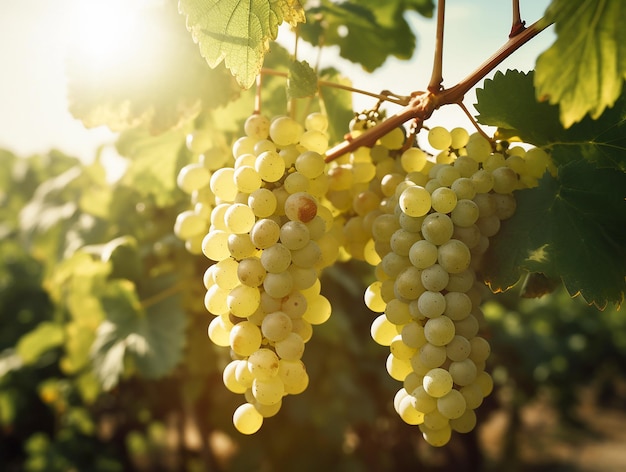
[273,214]
[268,237]
[430,231]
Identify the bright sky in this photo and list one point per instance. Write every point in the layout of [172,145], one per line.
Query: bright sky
[35,34]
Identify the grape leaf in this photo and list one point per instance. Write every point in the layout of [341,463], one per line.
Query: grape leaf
[584,70]
[601,141]
[337,105]
[508,102]
[366,31]
[572,226]
[302,81]
[238,32]
[158,80]
[153,337]
[32,345]
[144,151]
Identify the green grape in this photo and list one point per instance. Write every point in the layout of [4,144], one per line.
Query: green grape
[314,140]
[413,335]
[294,235]
[294,376]
[215,245]
[239,218]
[415,201]
[439,137]
[443,200]
[400,350]
[278,285]
[193,177]
[257,126]
[318,310]
[413,160]
[458,305]
[454,256]
[276,326]
[478,148]
[463,372]
[276,258]
[263,364]
[437,437]
[431,304]
[246,419]
[434,278]
[245,338]
[458,348]
[247,179]
[250,271]
[437,228]
[431,356]
[189,224]
[270,166]
[437,382]
[464,423]
[439,331]
[265,233]
[218,333]
[459,138]
[262,202]
[285,131]
[300,206]
[290,348]
[383,331]
[243,300]
[398,369]
[422,401]
[316,122]
[408,413]
[452,405]
[222,184]
[230,379]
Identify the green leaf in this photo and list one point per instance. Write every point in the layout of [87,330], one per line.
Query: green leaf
[238,32]
[158,80]
[573,226]
[153,162]
[584,70]
[152,338]
[366,31]
[47,335]
[601,141]
[302,81]
[337,105]
[508,102]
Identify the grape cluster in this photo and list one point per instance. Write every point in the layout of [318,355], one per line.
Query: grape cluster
[430,231]
[273,214]
[268,236]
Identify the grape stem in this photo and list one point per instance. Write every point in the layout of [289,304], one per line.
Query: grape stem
[384,96]
[517,25]
[436,78]
[422,104]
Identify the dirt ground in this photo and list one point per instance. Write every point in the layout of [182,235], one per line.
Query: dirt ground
[545,444]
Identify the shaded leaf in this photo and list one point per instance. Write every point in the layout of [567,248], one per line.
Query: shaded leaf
[153,338]
[584,70]
[238,32]
[366,31]
[574,227]
[302,81]
[337,105]
[601,141]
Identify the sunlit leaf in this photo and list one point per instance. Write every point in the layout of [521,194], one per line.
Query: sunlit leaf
[157,80]
[238,32]
[337,105]
[584,70]
[47,335]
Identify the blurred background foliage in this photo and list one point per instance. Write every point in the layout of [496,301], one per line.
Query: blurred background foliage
[105,364]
